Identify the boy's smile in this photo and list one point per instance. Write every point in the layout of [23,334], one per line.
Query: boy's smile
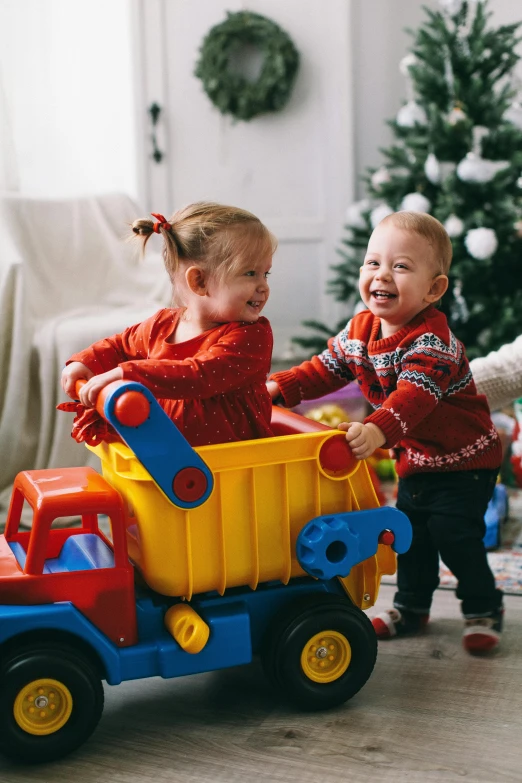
[399,276]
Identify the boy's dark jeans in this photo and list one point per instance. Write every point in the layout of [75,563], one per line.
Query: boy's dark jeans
[446,511]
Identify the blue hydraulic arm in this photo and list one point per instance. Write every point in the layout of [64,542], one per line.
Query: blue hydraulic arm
[144,426]
[330,545]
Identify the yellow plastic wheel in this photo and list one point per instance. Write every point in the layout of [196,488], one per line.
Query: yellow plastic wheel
[43,707]
[319,651]
[326,656]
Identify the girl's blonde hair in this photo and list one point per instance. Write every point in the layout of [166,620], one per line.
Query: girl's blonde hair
[431,229]
[218,238]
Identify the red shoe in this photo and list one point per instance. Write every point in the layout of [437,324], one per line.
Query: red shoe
[482,634]
[392,623]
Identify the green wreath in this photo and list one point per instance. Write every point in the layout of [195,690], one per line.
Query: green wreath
[231,92]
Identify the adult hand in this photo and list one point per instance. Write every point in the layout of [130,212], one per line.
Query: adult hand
[363,439]
[89,392]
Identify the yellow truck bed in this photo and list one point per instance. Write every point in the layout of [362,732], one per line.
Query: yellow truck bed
[244,534]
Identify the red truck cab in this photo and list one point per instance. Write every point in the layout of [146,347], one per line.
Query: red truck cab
[46,565]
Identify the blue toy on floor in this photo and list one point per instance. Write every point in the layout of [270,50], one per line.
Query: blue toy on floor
[496,515]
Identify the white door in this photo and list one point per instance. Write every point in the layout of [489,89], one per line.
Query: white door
[293,168]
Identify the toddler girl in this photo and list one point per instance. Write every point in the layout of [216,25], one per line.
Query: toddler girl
[206,359]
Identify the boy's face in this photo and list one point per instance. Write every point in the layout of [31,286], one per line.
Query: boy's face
[399,276]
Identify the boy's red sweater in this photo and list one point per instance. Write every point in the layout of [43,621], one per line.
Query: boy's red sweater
[419,382]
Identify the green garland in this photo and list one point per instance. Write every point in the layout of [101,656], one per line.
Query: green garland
[232,93]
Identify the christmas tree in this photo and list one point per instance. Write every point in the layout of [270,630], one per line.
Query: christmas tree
[457,154]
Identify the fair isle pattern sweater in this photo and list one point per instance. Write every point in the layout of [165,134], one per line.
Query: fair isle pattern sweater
[420,385]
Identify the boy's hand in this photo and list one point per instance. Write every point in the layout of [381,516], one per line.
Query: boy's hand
[363,438]
[75,371]
[273,389]
[89,392]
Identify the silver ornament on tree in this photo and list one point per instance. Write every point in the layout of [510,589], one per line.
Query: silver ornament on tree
[432,169]
[411,114]
[436,170]
[415,202]
[474,168]
[481,243]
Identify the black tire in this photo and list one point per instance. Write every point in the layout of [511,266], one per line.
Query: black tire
[71,694]
[346,630]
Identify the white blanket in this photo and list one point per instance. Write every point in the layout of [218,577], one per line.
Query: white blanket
[66,279]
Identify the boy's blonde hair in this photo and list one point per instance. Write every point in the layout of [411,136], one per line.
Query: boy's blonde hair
[218,238]
[431,229]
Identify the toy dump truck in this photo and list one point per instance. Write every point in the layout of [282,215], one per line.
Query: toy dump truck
[203,559]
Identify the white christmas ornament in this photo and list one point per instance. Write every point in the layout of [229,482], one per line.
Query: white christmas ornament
[432,169]
[452,7]
[411,114]
[513,114]
[473,168]
[481,243]
[406,63]
[415,202]
[354,213]
[380,177]
[456,115]
[454,226]
[379,213]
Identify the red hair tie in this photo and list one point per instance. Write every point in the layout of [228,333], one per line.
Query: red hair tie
[161,224]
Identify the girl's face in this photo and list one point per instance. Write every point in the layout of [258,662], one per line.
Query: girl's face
[399,276]
[239,296]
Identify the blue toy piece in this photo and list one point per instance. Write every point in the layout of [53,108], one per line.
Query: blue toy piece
[496,515]
[331,545]
[162,450]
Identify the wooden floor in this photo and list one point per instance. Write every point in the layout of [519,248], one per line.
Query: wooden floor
[429,713]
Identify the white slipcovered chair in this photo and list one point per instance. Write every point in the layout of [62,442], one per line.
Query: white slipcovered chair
[67,278]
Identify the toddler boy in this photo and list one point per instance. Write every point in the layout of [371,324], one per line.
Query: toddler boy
[414,373]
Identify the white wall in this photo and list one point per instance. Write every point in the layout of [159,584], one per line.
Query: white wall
[68,124]
[67,121]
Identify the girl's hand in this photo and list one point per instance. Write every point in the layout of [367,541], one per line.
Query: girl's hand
[363,438]
[89,392]
[273,389]
[75,371]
